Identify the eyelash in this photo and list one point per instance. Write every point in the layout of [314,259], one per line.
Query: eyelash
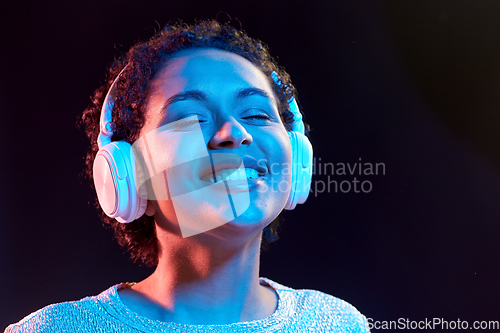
[258,116]
[201,118]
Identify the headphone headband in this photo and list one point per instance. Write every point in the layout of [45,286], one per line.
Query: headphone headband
[298,124]
[106,120]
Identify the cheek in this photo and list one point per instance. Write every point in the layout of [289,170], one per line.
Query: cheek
[280,167]
[280,150]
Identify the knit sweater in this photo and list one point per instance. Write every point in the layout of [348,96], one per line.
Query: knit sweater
[298,311]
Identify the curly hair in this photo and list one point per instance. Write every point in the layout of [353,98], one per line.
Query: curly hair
[143,61]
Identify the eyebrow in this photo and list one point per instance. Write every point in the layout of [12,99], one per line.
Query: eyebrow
[246,92]
[200,96]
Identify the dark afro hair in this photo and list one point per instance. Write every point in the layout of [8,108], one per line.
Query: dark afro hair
[143,61]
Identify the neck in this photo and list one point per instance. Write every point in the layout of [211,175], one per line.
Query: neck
[204,280]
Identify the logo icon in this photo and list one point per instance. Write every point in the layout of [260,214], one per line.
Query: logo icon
[207,189]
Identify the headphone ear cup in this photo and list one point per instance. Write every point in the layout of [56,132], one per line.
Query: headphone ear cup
[302,154]
[115,182]
[137,188]
[140,185]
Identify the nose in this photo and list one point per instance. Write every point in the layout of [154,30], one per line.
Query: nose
[230,135]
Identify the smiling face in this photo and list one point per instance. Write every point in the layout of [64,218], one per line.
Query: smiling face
[241,139]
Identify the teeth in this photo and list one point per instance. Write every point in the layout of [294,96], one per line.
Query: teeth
[235,174]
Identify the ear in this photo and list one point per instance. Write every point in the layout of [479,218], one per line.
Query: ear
[150,209]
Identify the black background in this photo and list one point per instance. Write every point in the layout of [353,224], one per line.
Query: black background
[411,84]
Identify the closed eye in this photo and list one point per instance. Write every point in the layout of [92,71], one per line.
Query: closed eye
[185,123]
[258,116]
[201,118]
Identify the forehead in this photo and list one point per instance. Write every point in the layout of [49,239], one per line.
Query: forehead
[211,70]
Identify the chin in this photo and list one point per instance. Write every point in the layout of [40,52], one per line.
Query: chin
[257,216]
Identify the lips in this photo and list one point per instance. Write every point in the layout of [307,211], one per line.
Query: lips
[228,166]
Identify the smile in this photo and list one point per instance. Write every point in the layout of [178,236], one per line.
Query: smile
[232,168]
[233,174]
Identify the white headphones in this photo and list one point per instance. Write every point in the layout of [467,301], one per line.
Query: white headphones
[302,156]
[115,174]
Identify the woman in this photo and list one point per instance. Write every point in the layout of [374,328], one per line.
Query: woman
[195,141]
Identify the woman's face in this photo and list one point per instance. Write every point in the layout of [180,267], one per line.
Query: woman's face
[222,154]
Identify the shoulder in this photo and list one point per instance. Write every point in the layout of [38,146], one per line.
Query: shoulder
[73,316]
[312,307]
